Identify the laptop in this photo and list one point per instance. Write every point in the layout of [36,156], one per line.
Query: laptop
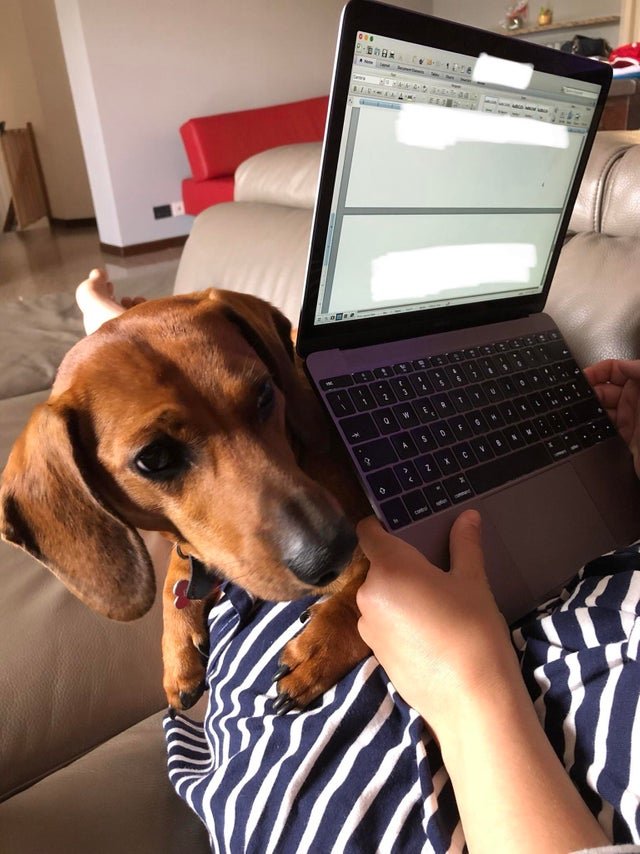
[451,162]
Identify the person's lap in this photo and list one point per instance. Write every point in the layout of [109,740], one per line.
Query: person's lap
[359,771]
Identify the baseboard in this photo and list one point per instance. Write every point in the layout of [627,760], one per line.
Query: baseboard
[73,223]
[140,248]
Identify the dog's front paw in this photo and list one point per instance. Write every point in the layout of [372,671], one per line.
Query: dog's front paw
[326,649]
[184,669]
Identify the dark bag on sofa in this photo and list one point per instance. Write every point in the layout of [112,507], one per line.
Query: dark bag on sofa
[584,46]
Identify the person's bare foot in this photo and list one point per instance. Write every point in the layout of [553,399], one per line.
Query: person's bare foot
[96,300]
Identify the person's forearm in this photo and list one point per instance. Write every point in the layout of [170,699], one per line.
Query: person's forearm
[512,792]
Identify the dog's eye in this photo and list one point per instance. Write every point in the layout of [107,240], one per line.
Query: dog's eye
[162,459]
[266,400]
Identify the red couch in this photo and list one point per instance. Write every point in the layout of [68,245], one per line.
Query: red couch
[217,145]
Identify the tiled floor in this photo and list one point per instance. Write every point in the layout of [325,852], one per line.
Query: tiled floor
[43,260]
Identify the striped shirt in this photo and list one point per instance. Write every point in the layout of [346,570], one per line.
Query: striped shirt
[358,771]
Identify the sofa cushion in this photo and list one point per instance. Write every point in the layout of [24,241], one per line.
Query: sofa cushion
[35,335]
[217,145]
[287,175]
[115,799]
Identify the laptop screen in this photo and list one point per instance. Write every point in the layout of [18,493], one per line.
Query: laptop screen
[453,176]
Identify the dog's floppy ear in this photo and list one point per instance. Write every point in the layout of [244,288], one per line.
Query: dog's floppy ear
[48,509]
[269,333]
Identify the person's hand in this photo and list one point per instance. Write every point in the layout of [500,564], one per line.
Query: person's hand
[616,383]
[439,635]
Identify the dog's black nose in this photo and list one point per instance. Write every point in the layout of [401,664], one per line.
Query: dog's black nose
[316,551]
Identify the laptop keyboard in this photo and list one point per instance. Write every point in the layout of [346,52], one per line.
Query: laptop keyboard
[434,432]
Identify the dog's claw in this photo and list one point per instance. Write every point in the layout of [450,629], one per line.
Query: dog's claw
[304,616]
[283,670]
[190,698]
[282,704]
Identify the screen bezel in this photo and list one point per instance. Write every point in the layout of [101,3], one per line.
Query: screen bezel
[396,23]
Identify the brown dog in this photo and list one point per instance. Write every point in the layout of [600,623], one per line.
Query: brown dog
[189,416]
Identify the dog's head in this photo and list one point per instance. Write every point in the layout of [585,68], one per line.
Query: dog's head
[177,416]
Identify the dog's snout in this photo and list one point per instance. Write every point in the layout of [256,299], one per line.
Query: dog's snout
[315,546]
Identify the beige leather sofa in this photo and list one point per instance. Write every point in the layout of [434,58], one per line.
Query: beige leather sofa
[82,763]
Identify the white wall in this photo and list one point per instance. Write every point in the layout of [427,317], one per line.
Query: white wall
[488,13]
[138,71]
[34,87]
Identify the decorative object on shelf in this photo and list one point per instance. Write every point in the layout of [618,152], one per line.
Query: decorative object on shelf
[516,15]
[545,16]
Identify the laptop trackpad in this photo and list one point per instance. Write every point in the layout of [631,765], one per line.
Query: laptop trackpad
[550,526]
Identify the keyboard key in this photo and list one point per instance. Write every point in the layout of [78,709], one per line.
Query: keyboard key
[494,419]
[407,475]
[477,396]
[529,432]
[458,488]
[439,379]
[424,440]
[383,373]
[492,391]
[385,421]
[402,368]
[340,403]
[363,376]
[402,388]
[459,427]
[506,468]
[508,412]
[336,382]
[404,446]
[557,447]
[514,438]
[362,398]
[443,434]
[456,375]
[428,468]
[478,423]
[425,410]
[421,383]
[405,415]
[417,504]
[443,405]
[359,428]
[498,443]
[382,392]
[482,449]
[447,462]
[460,400]
[437,497]
[374,455]
[384,484]
[395,513]
[464,455]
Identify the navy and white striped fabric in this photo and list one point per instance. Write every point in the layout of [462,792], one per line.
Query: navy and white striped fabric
[580,661]
[358,771]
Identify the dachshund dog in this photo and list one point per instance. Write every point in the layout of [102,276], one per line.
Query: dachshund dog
[190,416]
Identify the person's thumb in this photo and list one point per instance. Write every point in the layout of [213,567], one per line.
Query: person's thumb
[465,545]
[382,547]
